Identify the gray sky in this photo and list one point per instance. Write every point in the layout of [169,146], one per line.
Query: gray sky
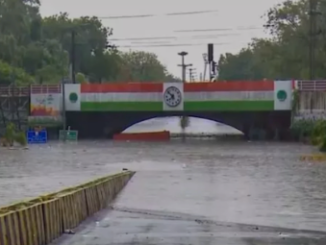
[234,15]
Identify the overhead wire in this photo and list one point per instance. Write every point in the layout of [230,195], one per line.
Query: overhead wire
[238,31]
[170,45]
[137,16]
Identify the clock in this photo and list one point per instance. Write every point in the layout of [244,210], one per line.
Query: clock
[172,96]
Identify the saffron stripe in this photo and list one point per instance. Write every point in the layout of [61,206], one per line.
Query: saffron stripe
[121,87]
[230,86]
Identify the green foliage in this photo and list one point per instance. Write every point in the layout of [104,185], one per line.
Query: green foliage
[20,138]
[36,49]
[80,78]
[312,130]
[285,54]
[10,134]
[184,122]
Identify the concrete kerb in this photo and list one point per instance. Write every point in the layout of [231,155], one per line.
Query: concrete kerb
[43,219]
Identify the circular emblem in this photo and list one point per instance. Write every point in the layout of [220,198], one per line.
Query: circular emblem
[281,95]
[73,97]
[172,96]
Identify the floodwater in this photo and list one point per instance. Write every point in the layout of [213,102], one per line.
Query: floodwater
[172,124]
[197,192]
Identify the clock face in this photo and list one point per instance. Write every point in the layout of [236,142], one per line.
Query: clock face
[172,96]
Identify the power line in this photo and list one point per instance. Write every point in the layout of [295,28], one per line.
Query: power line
[155,15]
[174,37]
[221,29]
[237,32]
[170,45]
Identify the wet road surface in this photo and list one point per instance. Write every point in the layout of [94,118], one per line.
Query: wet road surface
[200,192]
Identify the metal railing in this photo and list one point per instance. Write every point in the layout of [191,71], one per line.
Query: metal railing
[308,85]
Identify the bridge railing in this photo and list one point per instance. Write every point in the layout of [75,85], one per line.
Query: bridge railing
[309,85]
[312,98]
[14,91]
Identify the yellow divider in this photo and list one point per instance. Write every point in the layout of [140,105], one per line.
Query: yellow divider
[41,220]
[31,228]
[92,200]
[74,209]
[9,227]
[52,220]
[313,157]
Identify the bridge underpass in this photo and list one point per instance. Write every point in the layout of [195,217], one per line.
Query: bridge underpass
[275,124]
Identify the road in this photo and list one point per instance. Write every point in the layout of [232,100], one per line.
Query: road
[200,192]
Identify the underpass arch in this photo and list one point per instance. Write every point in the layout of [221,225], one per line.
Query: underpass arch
[213,117]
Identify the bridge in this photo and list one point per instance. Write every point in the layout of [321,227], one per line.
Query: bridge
[105,109]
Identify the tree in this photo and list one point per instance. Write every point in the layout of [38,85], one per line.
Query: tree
[184,123]
[141,66]
[39,49]
[286,54]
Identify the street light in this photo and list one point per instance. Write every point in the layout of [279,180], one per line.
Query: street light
[183,65]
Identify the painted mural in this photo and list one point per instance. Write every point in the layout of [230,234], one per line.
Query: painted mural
[45,107]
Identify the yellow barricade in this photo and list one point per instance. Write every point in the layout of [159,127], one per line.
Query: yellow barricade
[92,200]
[52,220]
[31,225]
[9,229]
[41,220]
[314,158]
[73,208]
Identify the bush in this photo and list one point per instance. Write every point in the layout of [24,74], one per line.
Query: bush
[313,130]
[12,136]
[20,138]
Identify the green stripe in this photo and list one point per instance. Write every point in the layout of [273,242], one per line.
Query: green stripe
[229,106]
[121,106]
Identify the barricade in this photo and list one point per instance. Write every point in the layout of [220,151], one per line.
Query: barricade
[314,158]
[41,220]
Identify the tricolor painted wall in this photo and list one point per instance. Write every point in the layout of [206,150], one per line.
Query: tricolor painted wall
[218,96]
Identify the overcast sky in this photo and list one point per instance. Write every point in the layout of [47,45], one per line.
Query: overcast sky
[242,19]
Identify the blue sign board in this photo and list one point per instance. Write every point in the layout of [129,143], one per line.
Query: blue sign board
[37,137]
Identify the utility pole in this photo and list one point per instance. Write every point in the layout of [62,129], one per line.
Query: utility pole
[313,33]
[205,66]
[192,72]
[183,65]
[210,56]
[73,56]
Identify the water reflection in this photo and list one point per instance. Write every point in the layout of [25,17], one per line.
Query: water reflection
[172,124]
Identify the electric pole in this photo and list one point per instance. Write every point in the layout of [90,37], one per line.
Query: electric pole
[183,65]
[73,56]
[191,74]
[312,35]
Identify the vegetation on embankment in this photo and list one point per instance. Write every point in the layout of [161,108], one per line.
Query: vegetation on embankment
[13,135]
[283,55]
[310,131]
[36,49]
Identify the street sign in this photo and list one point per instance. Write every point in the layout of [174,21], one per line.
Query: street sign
[37,136]
[68,135]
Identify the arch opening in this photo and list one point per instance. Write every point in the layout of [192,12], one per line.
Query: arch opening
[196,125]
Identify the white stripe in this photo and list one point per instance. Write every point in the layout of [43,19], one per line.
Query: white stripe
[287,103]
[232,96]
[72,88]
[118,97]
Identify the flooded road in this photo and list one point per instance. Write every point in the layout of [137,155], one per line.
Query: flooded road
[197,192]
[258,184]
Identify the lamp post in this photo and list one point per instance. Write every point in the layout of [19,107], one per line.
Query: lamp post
[183,65]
